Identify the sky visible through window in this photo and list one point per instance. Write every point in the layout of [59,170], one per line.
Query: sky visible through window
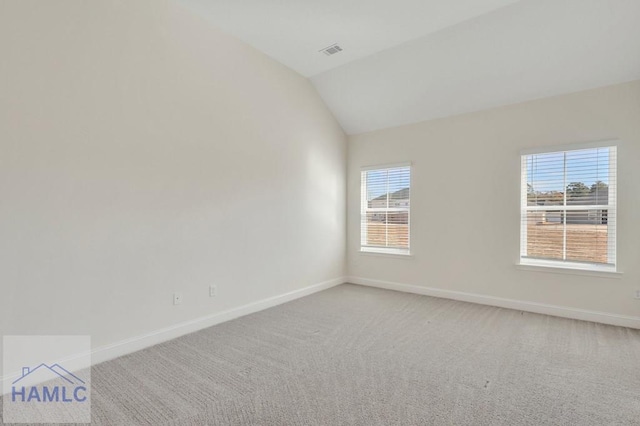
[545,172]
[377,181]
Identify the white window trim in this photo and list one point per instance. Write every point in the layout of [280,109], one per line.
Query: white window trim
[562,265]
[385,252]
[376,250]
[571,147]
[569,271]
[385,166]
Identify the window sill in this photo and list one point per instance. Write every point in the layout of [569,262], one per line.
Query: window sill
[386,253]
[568,271]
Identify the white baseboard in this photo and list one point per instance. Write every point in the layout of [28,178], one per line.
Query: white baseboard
[124,347]
[538,308]
[133,344]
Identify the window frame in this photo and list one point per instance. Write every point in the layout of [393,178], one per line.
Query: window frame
[381,250]
[611,207]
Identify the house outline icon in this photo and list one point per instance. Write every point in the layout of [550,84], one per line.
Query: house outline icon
[57,370]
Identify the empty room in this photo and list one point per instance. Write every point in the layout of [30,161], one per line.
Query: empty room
[261,212]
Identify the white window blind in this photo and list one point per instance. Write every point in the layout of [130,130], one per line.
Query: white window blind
[568,208]
[385,206]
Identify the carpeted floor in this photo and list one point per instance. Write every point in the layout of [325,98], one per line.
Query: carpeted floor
[353,355]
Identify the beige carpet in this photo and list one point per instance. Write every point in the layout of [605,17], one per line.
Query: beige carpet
[353,355]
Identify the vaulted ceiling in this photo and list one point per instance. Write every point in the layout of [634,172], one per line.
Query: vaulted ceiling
[405,61]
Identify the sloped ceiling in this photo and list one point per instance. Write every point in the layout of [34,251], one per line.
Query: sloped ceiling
[412,60]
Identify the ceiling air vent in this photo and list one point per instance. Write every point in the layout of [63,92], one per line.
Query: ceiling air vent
[331,50]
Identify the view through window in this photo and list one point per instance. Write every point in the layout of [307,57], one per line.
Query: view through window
[569,208]
[385,209]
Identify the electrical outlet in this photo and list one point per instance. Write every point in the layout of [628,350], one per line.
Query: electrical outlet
[636,295]
[213,290]
[177,298]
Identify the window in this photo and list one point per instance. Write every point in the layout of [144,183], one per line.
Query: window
[568,208]
[385,209]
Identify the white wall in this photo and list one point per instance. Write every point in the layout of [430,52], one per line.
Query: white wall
[465,199]
[143,152]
